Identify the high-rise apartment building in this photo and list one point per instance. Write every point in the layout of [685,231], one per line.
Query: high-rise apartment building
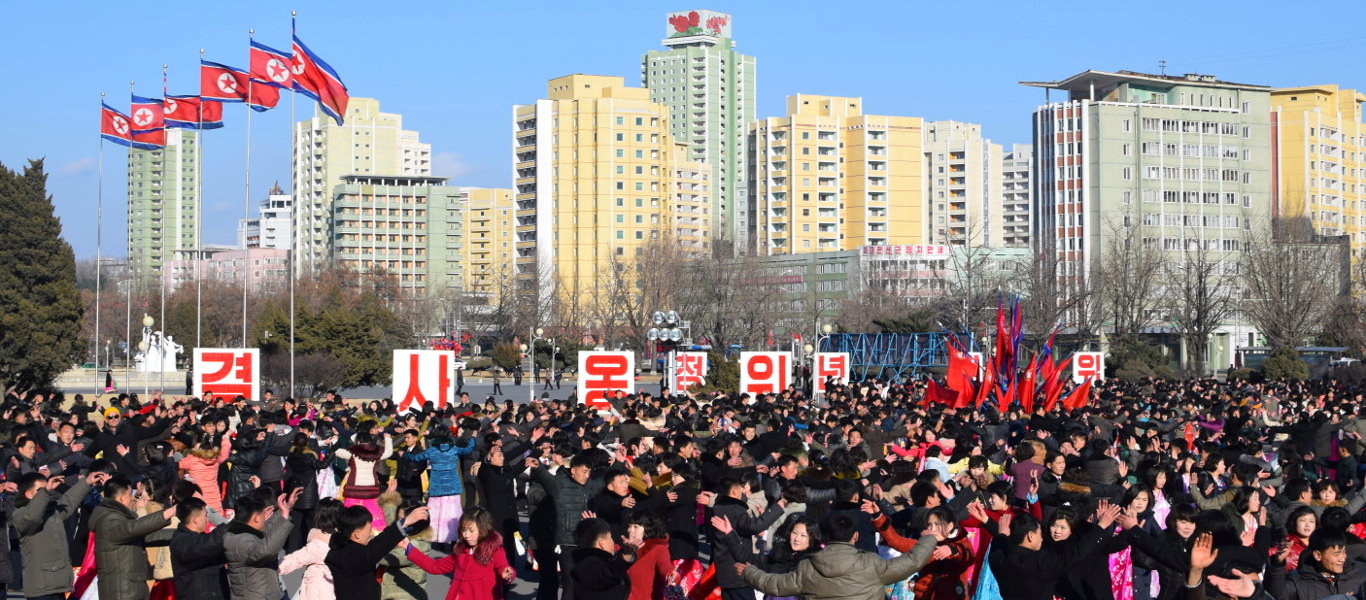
[1181,162]
[410,228]
[162,204]
[271,229]
[371,143]
[1017,195]
[1321,160]
[828,177]
[691,208]
[708,88]
[595,165]
[490,224]
[962,185]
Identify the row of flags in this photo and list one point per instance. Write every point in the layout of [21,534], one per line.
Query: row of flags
[269,71]
[972,383]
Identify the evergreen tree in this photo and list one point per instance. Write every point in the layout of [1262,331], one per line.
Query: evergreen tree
[40,311]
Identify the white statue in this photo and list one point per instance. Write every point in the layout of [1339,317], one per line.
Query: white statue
[159,355]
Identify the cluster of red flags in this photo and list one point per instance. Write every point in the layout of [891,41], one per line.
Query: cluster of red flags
[270,71]
[969,382]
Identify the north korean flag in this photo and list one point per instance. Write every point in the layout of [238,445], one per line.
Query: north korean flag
[152,139]
[115,126]
[148,114]
[271,66]
[193,112]
[222,83]
[316,79]
[262,96]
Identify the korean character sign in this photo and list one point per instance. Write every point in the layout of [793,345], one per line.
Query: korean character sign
[1088,364]
[422,376]
[602,373]
[764,372]
[227,372]
[831,364]
[690,369]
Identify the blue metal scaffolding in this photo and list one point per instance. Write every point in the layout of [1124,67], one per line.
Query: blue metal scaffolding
[895,356]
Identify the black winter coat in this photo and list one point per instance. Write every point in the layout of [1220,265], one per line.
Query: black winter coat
[198,559]
[353,565]
[747,527]
[301,471]
[599,575]
[246,463]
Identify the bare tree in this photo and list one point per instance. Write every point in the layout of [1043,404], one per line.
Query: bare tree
[1198,295]
[1127,278]
[1045,304]
[1292,281]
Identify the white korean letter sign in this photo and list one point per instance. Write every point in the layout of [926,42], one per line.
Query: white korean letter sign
[764,372]
[1088,364]
[831,364]
[602,373]
[227,372]
[422,376]
[690,370]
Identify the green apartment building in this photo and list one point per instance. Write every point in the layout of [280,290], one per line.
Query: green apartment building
[709,90]
[162,204]
[1182,163]
[409,227]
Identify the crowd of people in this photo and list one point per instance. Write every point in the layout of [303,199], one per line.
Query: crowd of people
[1154,490]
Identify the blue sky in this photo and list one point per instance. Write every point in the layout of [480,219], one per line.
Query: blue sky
[454,69]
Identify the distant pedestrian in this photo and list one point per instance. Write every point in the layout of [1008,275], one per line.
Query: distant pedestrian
[497,382]
[559,375]
[517,375]
[459,381]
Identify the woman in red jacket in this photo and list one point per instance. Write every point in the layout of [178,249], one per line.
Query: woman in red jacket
[946,576]
[478,565]
[645,530]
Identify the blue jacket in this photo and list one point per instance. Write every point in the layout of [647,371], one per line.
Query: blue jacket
[443,460]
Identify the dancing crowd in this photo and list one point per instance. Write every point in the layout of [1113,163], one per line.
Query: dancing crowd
[1151,490]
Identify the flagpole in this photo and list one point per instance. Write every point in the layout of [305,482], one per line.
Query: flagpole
[161,381]
[293,209]
[128,298]
[199,222]
[99,241]
[246,197]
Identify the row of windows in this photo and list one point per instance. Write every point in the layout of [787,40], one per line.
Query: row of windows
[1188,126]
[1191,174]
[1191,150]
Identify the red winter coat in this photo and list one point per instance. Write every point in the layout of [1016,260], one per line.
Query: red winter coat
[475,573]
[650,570]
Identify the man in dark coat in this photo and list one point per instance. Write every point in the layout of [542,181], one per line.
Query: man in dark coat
[196,557]
[599,572]
[731,505]
[40,520]
[120,552]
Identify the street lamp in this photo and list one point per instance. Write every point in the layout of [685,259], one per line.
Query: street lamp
[147,322]
[536,334]
[668,330]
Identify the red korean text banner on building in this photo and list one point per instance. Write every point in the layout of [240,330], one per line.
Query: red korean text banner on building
[602,373]
[422,376]
[227,372]
[1088,364]
[831,364]
[764,372]
[690,369]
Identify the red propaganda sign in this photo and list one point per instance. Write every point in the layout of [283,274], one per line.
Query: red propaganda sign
[831,364]
[602,373]
[764,372]
[227,372]
[1088,364]
[422,376]
[690,369]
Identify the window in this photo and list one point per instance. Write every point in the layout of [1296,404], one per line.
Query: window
[621,121]
[621,185]
[639,121]
[621,170]
[640,235]
[1128,148]
[621,137]
[1129,173]
[621,153]
[1128,197]
[1128,125]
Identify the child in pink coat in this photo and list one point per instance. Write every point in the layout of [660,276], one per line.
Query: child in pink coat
[201,464]
[317,582]
[478,565]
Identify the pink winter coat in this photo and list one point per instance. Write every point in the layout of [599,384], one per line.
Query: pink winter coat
[317,583]
[202,466]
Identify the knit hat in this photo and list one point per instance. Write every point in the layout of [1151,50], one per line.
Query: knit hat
[111,411]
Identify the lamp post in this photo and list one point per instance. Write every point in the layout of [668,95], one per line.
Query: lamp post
[536,334]
[147,322]
[668,330]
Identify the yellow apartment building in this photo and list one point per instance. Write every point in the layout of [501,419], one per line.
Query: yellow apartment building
[1321,159]
[489,217]
[594,181]
[828,177]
